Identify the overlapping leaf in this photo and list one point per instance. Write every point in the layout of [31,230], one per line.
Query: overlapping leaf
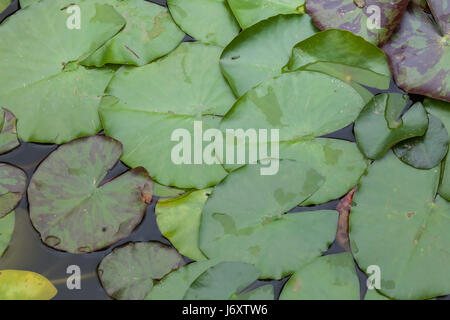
[8,132]
[210,22]
[53,98]
[380,126]
[419,55]
[6,231]
[149,33]
[129,272]
[25,285]
[332,277]
[374,20]
[13,183]
[72,210]
[249,12]
[261,51]
[398,224]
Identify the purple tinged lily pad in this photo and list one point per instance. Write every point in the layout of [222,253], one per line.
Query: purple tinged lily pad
[374,20]
[419,55]
[73,209]
[441,12]
[13,183]
[8,132]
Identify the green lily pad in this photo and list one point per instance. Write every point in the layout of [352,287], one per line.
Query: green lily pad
[13,183]
[26,3]
[359,16]
[247,228]
[260,52]
[419,55]
[222,281]
[398,224]
[210,22]
[25,285]
[6,231]
[264,292]
[372,131]
[54,99]
[159,98]
[4,4]
[441,110]
[71,208]
[8,132]
[166,192]
[332,277]
[179,221]
[129,272]
[249,12]
[149,33]
[343,55]
[427,151]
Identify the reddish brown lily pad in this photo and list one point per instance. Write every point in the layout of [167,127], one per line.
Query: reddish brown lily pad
[344,207]
[374,20]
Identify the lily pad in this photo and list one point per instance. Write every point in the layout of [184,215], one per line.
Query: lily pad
[249,12]
[179,221]
[4,4]
[419,55]
[13,183]
[343,55]
[149,33]
[427,151]
[73,209]
[222,281]
[332,277]
[54,99]
[129,272]
[166,192]
[210,21]
[344,207]
[374,20]
[441,110]
[6,231]
[247,228]
[8,132]
[264,292]
[25,285]
[374,295]
[441,12]
[372,129]
[398,224]
[260,52]
[159,98]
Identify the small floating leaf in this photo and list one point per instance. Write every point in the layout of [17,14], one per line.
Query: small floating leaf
[332,277]
[372,131]
[374,20]
[129,272]
[210,21]
[25,285]
[260,52]
[13,183]
[72,210]
[249,12]
[8,132]
[344,207]
[6,231]
[428,151]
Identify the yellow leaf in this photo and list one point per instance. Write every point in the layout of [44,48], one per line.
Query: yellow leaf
[25,285]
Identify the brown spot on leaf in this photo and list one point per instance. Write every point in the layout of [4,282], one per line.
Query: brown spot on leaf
[410,214]
[344,208]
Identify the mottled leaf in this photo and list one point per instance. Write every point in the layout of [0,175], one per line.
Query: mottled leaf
[398,224]
[332,277]
[344,207]
[374,20]
[247,229]
[179,221]
[249,12]
[129,272]
[440,9]
[379,126]
[25,285]
[54,99]
[427,151]
[149,33]
[210,21]
[73,209]
[260,52]
[419,55]
[13,183]
[222,281]
[343,55]
[8,132]
[441,110]
[6,231]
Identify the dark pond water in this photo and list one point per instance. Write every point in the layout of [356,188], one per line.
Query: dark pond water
[27,252]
